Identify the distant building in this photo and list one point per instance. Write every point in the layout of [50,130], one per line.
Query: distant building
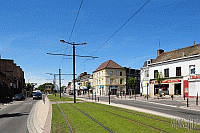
[135,73]
[109,75]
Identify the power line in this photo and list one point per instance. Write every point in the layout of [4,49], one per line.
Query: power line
[72,29]
[116,31]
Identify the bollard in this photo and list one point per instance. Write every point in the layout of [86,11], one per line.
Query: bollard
[121,96]
[197,99]
[92,97]
[135,97]
[125,96]
[187,102]
[89,97]
[172,97]
[95,97]
[98,99]
[184,96]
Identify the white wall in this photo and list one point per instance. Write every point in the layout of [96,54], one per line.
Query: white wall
[184,64]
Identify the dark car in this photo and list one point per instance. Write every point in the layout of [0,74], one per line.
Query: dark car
[19,97]
[37,95]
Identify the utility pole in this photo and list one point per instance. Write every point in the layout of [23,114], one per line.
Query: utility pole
[74,72]
[60,82]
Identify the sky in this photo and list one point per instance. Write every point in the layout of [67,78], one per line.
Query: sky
[31,29]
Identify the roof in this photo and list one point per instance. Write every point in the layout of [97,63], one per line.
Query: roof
[109,65]
[189,51]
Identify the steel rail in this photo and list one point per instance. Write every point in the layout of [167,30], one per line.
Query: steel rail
[92,119]
[69,126]
[129,119]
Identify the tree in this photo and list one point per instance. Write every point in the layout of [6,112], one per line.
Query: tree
[42,87]
[131,82]
[88,85]
[63,87]
[159,78]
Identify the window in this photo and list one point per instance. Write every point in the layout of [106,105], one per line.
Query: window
[178,71]
[166,72]
[146,73]
[111,80]
[192,69]
[155,73]
[120,73]
[121,81]
[111,73]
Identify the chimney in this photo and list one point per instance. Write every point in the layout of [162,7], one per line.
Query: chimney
[194,43]
[183,53]
[159,52]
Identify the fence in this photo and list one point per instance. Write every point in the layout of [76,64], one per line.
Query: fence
[189,123]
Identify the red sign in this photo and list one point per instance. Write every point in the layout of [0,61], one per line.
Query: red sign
[195,77]
[167,81]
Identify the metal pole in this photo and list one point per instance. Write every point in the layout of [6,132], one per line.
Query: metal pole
[60,82]
[147,90]
[54,84]
[197,99]
[109,95]
[184,96]
[74,72]
[187,102]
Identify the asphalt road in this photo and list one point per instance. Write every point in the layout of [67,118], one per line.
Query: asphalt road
[13,118]
[149,105]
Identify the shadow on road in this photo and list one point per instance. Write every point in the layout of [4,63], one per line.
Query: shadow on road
[12,115]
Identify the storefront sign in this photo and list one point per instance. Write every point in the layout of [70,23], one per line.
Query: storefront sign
[195,77]
[167,81]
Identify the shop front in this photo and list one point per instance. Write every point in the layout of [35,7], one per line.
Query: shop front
[113,90]
[192,86]
[168,87]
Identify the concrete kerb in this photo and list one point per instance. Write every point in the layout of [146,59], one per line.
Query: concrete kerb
[32,122]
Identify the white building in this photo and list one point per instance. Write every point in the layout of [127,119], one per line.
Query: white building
[144,77]
[181,70]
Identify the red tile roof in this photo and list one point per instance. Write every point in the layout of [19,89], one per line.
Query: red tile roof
[109,65]
[189,51]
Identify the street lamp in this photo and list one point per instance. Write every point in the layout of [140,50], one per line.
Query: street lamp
[73,44]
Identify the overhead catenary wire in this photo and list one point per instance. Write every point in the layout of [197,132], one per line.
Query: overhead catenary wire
[116,32]
[72,29]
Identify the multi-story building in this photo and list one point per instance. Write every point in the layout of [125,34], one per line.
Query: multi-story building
[135,73]
[144,77]
[180,69]
[109,75]
[12,75]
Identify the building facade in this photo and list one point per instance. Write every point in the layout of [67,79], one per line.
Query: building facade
[109,75]
[135,73]
[180,70]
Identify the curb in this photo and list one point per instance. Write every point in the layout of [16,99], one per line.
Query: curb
[47,126]
[32,123]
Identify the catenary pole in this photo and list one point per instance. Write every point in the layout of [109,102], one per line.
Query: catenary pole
[60,82]
[74,72]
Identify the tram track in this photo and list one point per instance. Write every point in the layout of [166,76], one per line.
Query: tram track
[129,119]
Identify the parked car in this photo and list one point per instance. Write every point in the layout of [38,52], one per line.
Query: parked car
[19,97]
[37,95]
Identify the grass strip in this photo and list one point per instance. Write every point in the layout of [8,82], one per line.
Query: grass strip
[53,98]
[58,124]
[152,122]
[80,122]
[114,123]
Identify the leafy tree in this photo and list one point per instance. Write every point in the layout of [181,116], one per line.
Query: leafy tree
[28,86]
[42,87]
[63,87]
[159,78]
[131,82]
[88,85]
